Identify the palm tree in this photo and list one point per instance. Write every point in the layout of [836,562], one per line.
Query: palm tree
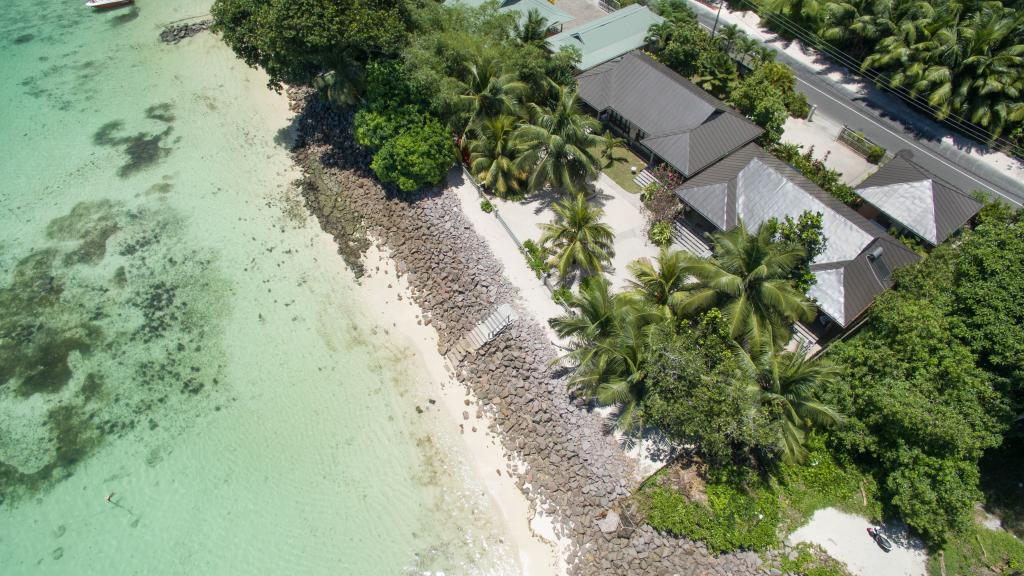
[561,143]
[534,29]
[747,279]
[661,34]
[485,91]
[609,142]
[611,335]
[583,244]
[595,307]
[728,36]
[665,282]
[785,386]
[612,368]
[495,158]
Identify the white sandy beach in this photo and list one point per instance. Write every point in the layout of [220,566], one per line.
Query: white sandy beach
[388,302]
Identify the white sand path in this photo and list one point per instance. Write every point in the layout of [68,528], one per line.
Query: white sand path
[844,536]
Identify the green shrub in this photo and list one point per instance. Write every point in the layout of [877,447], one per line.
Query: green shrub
[741,512]
[660,233]
[796,103]
[875,154]
[536,258]
[486,206]
[806,563]
[649,190]
[977,551]
[561,295]
[416,157]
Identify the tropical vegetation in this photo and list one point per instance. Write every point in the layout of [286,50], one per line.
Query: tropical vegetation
[582,245]
[920,413]
[961,60]
[758,86]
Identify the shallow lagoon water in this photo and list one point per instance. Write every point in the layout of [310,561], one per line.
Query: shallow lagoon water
[175,331]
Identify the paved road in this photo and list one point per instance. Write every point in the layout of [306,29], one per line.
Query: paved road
[893,124]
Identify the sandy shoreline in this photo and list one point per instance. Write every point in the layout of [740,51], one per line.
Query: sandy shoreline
[387,299]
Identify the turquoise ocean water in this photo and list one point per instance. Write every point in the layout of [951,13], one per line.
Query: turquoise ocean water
[173,330]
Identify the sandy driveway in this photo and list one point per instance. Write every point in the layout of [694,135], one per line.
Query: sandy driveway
[844,536]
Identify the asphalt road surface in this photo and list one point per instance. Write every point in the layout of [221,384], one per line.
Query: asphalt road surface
[891,123]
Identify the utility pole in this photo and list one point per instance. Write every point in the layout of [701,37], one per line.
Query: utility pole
[715,27]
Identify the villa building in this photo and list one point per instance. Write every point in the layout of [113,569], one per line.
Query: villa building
[905,197]
[754,186]
[665,117]
[609,36]
[556,18]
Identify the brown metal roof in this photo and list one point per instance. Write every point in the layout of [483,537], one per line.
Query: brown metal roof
[684,125]
[919,200]
[754,185]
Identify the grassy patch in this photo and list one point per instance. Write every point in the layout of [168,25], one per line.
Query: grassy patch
[821,482]
[741,513]
[746,512]
[811,561]
[618,167]
[980,551]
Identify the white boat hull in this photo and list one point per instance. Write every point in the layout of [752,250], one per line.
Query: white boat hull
[101,4]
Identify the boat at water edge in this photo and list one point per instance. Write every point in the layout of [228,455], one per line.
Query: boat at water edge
[103,4]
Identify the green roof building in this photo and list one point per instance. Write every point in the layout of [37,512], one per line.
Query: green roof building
[608,37]
[554,16]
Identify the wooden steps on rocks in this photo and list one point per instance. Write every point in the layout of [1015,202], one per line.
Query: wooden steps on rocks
[484,332]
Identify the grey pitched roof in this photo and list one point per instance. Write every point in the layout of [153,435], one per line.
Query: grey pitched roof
[684,125]
[920,201]
[753,185]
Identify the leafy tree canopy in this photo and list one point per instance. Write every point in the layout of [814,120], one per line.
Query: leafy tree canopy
[928,388]
[296,40]
[418,156]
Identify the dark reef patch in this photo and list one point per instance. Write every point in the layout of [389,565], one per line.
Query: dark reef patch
[162,112]
[143,149]
[92,324]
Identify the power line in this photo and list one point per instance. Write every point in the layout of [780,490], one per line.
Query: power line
[879,78]
[815,41]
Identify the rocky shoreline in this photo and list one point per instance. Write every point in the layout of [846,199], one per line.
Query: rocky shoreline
[576,472]
[177,32]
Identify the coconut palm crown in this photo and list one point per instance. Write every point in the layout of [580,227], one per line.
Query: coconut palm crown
[583,244]
[786,385]
[561,143]
[747,279]
[495,158]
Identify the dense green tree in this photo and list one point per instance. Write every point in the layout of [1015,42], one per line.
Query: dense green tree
[416,157]
[919,406]
[748,280]
[583,244]
[561,143]
[697,392]
[496,158]
[806,232]
[297,40]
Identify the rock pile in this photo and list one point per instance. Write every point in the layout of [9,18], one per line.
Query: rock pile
[177,32]
[576,472]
